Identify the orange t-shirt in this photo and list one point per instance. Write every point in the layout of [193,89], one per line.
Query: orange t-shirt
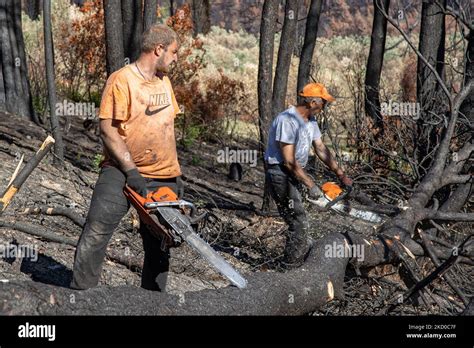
[147,110]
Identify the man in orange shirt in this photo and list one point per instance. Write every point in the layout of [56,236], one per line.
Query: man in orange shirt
[136,114]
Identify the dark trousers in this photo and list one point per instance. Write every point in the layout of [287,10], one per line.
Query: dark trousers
[108,206]
[284,190]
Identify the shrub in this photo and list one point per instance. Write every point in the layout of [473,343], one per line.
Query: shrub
[81,53]
[206,101]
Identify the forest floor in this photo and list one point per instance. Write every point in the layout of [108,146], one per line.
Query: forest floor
[247,240]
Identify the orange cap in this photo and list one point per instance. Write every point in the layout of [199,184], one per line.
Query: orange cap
[316,90]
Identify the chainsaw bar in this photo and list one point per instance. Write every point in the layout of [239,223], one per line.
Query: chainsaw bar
[182,226]
[345,208]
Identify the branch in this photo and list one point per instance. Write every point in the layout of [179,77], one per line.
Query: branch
[69,213]
[455,179]
[38,232]
[131,262]
[450,174]
[15,185]
[456,15]
[448,216]
[432,254]
[433,178]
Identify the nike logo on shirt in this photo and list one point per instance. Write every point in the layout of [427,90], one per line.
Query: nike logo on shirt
[149,112]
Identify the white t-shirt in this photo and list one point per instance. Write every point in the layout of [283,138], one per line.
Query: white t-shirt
[290,127]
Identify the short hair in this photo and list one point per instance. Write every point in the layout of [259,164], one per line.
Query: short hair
[157,34]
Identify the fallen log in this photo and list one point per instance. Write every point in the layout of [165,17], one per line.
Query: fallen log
[38,232]
[295,292]
[132,263]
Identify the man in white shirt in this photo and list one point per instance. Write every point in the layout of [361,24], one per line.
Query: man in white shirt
[291,136]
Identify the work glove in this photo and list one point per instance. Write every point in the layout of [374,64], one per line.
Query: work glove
[315,192]
[136,182]
[180,187]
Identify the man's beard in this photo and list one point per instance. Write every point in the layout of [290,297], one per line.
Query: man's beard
[161,67]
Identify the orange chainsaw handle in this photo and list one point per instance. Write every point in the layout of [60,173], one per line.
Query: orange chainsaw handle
[163,194]
[138,202]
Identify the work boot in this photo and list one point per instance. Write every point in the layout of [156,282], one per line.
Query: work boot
[296,254]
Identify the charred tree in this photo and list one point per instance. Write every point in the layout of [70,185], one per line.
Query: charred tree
[374,65]
[467,108]
[285,51]
[265,67]
[433,102]
[171,7]
[33,9]
[132,28]
[319,282]
[311,33]
[49,62]
[461,194]
[201,16]
[15,96]
[149,13]
[113,36]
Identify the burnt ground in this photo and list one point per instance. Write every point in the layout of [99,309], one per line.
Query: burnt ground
[247,240]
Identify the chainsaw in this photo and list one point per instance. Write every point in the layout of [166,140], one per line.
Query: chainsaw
[171,220]
[335,198]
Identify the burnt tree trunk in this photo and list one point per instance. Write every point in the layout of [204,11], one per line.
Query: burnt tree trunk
[431,98]
[32,9]
[49,62]
[311,33]
[113,36]
[265,67]
[149,13]
[132,28]
[374,64]
[15,96]
[171,7]
[467,108]
[460,195]
[201,16]
[285,51]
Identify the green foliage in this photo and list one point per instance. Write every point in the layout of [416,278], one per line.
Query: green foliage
[190,133]
[39,104]
[196,160]
[98,158]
